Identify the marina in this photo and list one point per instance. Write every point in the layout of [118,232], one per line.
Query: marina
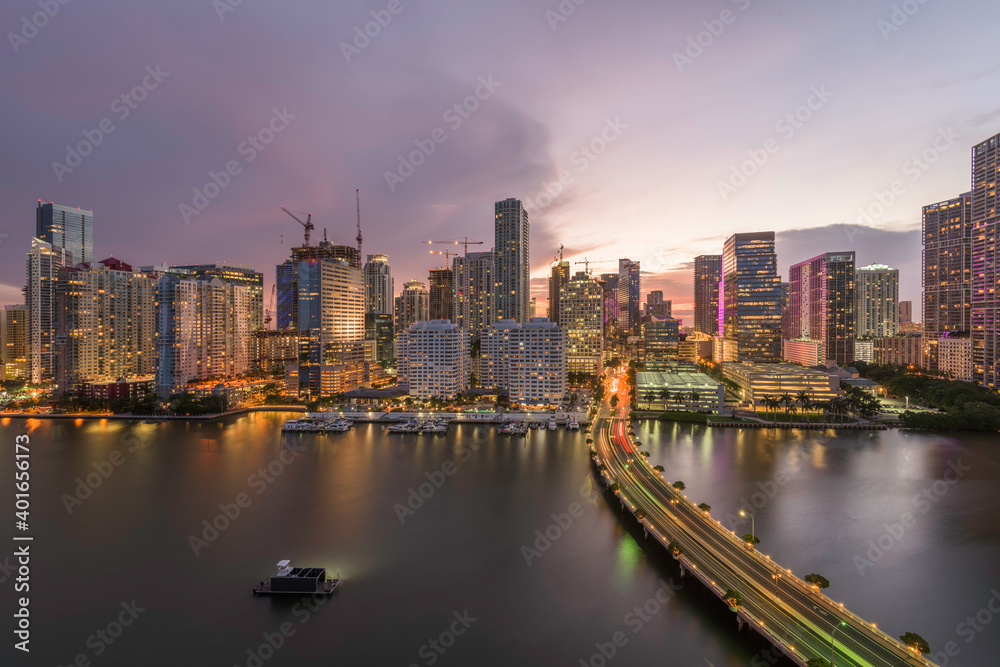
[288,580]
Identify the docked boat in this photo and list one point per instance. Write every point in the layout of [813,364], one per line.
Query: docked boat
[433,427]
[534,424]
[404,427]
[288,580]
[509,428]
[552,424]
[573,425]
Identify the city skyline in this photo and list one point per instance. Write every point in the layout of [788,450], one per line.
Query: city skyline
[158,154]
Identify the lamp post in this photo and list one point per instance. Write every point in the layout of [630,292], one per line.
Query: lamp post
[832,653]
[753,530]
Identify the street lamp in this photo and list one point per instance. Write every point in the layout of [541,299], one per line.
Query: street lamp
[832,654]
[753,531]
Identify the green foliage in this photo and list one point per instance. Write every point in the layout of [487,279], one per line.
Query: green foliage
[658,468]
[186,404]
[817,580]
[614,487]
[675,549]
[817,662]
[693,417]
[705,507]
[915,641]
[750,538]
[640,515]
[614,401]
[679,485]
[973,416]
[733,598]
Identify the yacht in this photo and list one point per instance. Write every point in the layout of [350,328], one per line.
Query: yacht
[573,425]
[552,424]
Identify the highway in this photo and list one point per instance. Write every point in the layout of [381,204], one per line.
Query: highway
[793,615]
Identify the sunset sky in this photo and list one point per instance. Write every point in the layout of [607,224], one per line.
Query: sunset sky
[666,130]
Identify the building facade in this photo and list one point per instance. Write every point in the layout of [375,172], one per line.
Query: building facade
[557,281]
[877,301]
[657,307]
[379,286]
[803,351]
[412,306]
[986,263]
[441,294]
[434,359]
[234,274]
[527,360]
[43,266]
[947,273]
[66,228]
[629,297]
[609,283]
[751,298]
[955,358]
[512,260]
[821,304]
[581,307]
[707,276]
[14,342]
[905,350]
[475,306]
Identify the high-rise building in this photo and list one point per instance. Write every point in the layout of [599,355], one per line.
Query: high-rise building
[66,228]
[629,297]
[661,340]
[236,275]
[412,306]
[947,274]
[106,323]
[379,286]
[821,304]
[287,277]
[986,263]
[44,263]
[379,330]
[434,359]
[707,276]
[788,330]
[441,294]
[475,307]
[954,358]
[609,282]
[14,339]
[877,301]
[532,307]
[906,312]
[581,308]
[512,260]
[657,307]
[557,280]
[203,331]
[527,360]
[751,298]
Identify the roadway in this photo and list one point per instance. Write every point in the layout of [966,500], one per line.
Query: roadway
[795,614]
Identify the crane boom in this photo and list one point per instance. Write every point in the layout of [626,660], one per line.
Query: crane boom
[307,224]
[466,242]
[357,198]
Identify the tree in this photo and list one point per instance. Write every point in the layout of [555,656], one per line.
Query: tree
[614,401]
[750,538]
[658,468]
[650,396]
[640,515]
[695,397]
[817,580]
[916,642]
[664,396]
[818,662]
[705,507]
[614,487]
[679,485]
[733,598]
[787,400]
[675,549]
[803,400]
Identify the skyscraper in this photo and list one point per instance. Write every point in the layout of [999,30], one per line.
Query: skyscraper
[985,264]
[557,280]
[877,301]
[287,276]
[441,295]
[44,263]
[629,297]
[66,228]
[821,304]
[947,273]
[609,282]
[412,306]
[512,259]
[379,286]
[434,359]
[527,360]
[236,275]
[707,275]
[751,297]
[581,307]
[15,342]
[106,323]
[657,307]
[475,306]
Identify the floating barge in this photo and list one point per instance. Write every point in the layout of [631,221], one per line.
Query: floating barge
[290,580]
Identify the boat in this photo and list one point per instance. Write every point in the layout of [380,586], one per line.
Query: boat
[573,425]
[509,428]
[552,424]
[433,427]
[288,580]
[404,427]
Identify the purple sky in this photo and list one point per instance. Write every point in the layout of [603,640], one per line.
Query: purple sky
[671,133]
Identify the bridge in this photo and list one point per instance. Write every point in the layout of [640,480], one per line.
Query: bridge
[790,613]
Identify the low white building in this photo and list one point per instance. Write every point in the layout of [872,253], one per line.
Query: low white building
[527,360]
[955,357]
[433,359]
[803,351]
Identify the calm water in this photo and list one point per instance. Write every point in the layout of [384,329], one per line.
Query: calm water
[336,501]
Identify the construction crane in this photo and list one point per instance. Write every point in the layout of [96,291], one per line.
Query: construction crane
[466,242]
[357,198]
[270,305]
[559,257]
[587,262]
[307,224]
[448,254]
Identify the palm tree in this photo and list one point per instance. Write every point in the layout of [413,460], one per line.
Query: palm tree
[695,397]
[787,400]
[650,397]
[803,399]
[774,404]
[664,396]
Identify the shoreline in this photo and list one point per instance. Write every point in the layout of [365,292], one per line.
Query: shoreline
[219,415]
